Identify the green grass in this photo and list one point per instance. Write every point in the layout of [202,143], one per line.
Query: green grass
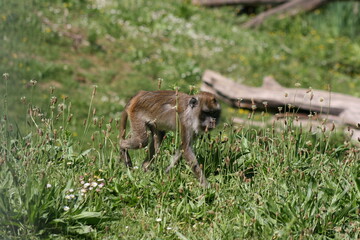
[279,182]
[266,183]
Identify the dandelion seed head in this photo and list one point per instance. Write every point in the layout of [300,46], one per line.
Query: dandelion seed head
[33,82]
[6,75]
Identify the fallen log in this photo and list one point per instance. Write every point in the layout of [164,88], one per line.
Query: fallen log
[343,109]
[290,8]
[216,3]
[315,126]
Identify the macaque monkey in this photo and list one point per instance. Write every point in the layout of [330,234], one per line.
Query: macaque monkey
[162,111]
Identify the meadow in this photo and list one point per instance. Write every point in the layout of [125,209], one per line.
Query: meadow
[60,172]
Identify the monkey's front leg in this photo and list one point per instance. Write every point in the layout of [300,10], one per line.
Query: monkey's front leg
[193,163]
[175,159]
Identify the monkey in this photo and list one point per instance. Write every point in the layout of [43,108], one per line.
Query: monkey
[162,111]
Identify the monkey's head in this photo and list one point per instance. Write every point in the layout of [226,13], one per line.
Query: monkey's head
[209,111]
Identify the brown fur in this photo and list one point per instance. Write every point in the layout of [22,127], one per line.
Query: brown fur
[157,111]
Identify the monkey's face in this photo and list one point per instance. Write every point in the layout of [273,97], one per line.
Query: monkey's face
[210,111]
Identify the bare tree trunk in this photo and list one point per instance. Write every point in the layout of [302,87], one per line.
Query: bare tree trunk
[343,108]
[328,108]
[215,3]
[290,8]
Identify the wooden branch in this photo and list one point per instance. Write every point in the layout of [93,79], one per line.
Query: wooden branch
[215,3]
[306,124]
[290,8]
[342,108]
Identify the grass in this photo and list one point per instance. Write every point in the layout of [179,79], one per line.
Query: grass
[266,183]
[60,173]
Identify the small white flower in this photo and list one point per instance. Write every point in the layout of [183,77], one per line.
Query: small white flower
[83,190]
[126,227]
[82,182]
[94,184]
[72,196]
[67,197]
[48,185]
[91,188]
[86,185]
[66,208]
[158,219]
[101,185]
[135,167]
[101,180]
[168,228]
[71,190]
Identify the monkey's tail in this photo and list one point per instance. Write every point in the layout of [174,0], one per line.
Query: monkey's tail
[123,121]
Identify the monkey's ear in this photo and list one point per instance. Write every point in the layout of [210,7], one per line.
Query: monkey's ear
[193,102]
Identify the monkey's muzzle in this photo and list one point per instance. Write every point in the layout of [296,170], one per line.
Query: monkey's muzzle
[212,123]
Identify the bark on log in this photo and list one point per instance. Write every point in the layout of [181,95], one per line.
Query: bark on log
[290,8]
[311,126]
[339,107]
[215,3]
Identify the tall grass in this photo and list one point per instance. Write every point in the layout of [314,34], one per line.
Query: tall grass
[276,182]
[60,174]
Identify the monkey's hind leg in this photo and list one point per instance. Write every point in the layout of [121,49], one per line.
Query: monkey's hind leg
[138,139]
[154,147]
[124,154]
